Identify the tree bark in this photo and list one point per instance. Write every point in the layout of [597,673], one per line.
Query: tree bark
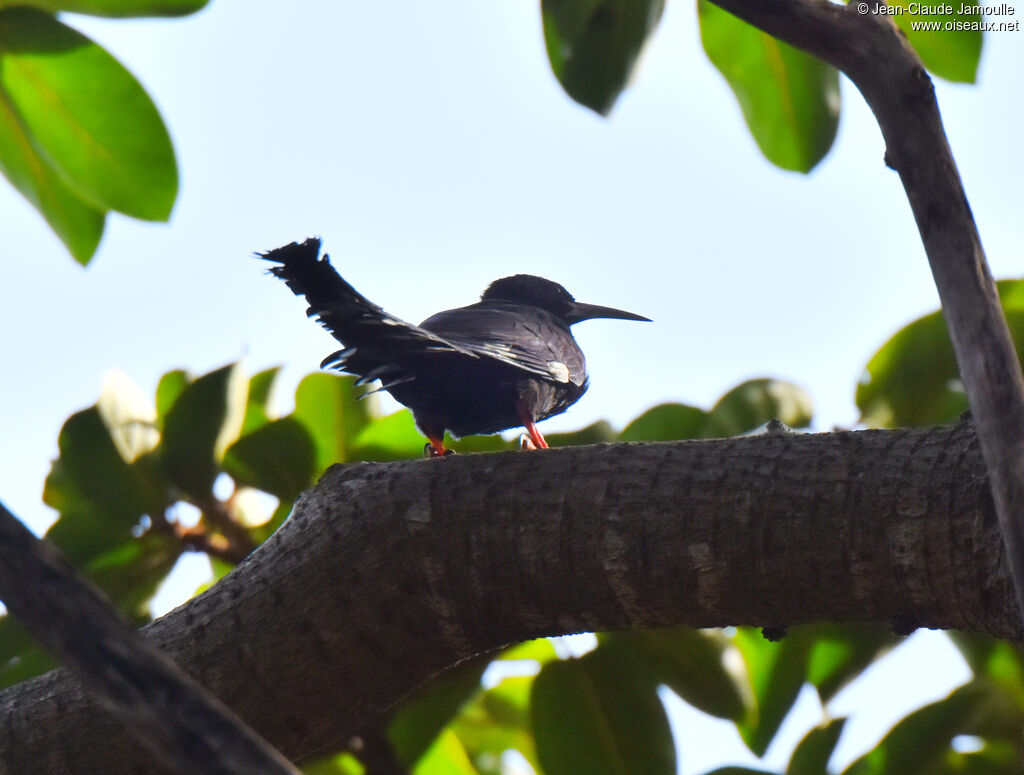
[176,720]
[386,574]
[871,50]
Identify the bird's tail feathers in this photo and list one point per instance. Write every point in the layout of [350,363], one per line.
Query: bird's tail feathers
[312,276]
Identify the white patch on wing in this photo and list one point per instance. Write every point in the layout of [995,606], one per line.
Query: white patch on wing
[558,370]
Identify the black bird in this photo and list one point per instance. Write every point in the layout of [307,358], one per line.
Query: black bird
[507,361]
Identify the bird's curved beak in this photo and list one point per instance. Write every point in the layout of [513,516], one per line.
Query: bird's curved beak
[580,311]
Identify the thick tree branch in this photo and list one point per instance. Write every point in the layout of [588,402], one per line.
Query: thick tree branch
[386,574]
[177,721]
[876,56]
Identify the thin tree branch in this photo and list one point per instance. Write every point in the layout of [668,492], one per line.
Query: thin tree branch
[876,56]
[182,725]
[387,574]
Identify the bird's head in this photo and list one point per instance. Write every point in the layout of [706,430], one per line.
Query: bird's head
[533,291]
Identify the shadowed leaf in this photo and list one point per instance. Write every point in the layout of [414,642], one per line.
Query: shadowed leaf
[593,45]
[790,100]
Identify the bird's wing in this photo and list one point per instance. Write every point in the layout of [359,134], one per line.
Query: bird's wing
[374,339]
[497,331]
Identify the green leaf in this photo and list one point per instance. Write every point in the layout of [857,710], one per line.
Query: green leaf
[86,116]
[777,673]
[168,390]
[920,743]
[596,433]
[446,756]
[813,752]
[754,403]
[78,224]
[279,458]
[423,715]
[260,386]
[99,494]
[950,53]
[839,653]
[739,771]
[998,661]
[913,379]
[21,657]
[590,716]
[330,408]
[692,663]
[120,8]
[496,721]
[593,45]
[539,649]
[667,422]
[129,417]
[388,438]
[336,764]
[789,99]
[129,574]
[200,425]
[746,407]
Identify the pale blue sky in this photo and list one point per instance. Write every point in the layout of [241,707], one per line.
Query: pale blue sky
[433,150]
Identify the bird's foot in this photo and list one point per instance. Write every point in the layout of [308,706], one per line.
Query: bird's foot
[430,449]
[525,442]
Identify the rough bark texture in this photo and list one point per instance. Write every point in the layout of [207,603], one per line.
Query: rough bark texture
[388,573]
[876,56]
[175,719]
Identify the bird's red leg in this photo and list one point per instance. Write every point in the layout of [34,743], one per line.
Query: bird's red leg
[435,448]
[526,418]
[535,435]
[534,440]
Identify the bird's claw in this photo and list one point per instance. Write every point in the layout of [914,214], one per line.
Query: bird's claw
[429,450]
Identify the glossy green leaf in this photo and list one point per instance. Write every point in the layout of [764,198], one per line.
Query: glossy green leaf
[168,389]
[790,100]
[423,715]
[756,402]
[745,408]
[539,649]
[99,494]
[952,54]
[813,752]
[330,408]
[589,715]
[920,743]
[498,720]
[119,8]
[78,224]
[474,444]
[338,764]
[913,379]
[692,663]
[86,116]
[839,653]
[446,756]
[599,432]
[279,458]
[667,422]
[593,45]
[256,407]
[777,673]
[206,417]
[393,437]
